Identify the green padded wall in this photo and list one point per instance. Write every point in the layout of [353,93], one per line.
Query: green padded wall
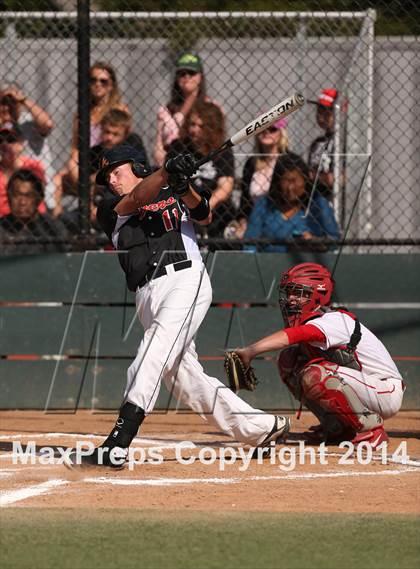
[76,306]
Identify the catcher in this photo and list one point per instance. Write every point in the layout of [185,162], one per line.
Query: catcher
[329,361]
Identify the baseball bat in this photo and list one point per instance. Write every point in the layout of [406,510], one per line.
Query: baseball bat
[263,121]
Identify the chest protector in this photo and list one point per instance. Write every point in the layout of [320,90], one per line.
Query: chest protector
[341,355]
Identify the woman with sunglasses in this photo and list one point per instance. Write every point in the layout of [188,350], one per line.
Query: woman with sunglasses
[258,173]
[189,86]
[104,96]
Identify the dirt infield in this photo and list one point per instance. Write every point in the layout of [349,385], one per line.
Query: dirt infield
[377,484]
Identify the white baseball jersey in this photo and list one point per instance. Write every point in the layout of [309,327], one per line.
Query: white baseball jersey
[379,384]
[372,354]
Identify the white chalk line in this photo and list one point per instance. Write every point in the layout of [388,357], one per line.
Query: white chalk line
[7,472]
[12,496]
[168,446]
[179,481]
[100,438]
[84,436]
[379,458]
[50,435]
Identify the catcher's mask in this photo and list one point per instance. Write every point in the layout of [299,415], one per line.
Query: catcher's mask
[303,289]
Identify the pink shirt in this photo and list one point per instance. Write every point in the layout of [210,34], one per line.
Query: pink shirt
[168,126]
[261,180]
[95,134]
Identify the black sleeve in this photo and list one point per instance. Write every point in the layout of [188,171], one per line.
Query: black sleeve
[225,164]
[202,211]
[106,216]
[245,207]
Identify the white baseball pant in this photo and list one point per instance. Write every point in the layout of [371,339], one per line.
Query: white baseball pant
[171,309]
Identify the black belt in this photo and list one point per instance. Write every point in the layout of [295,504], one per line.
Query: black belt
[161,271]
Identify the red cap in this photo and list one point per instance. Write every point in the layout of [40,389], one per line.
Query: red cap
[327,97]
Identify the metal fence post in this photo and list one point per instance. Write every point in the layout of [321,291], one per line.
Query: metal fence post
[83,109]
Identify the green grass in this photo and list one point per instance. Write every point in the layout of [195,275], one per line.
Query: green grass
[47,538]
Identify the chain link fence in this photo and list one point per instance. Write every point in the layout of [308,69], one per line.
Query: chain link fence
[343,171]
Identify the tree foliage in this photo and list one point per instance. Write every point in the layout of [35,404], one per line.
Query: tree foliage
[394,17]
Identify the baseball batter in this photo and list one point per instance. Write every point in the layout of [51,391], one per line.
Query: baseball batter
[331,362]
[150,217]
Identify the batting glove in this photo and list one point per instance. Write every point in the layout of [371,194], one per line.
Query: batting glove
[179,184]
[181,164]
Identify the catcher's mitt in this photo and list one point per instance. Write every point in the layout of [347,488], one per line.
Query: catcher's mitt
[239,377]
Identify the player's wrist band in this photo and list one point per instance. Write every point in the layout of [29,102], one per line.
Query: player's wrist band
[201,211]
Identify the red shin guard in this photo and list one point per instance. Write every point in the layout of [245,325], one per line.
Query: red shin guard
[321,385]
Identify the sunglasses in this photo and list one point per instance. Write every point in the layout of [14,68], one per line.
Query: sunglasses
[271,129]
[100,80]
[185,72]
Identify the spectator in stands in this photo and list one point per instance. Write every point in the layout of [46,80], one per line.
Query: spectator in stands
[281,214]
[24,223]
[35,124]
[202,131]
[189,87]
[13,159]
[115,130]
[104,96]
[258,172]
[321,151]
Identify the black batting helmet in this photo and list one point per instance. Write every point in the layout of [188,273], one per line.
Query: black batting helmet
[121,155]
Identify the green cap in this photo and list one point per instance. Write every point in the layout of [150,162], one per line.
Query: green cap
[189,61]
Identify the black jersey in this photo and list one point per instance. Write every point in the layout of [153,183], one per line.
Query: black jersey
[321,156]
[205,181]
[158,234]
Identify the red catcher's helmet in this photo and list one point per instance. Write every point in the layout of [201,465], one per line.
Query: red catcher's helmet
[303,289]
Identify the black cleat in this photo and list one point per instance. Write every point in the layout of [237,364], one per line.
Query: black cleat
[114,458]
